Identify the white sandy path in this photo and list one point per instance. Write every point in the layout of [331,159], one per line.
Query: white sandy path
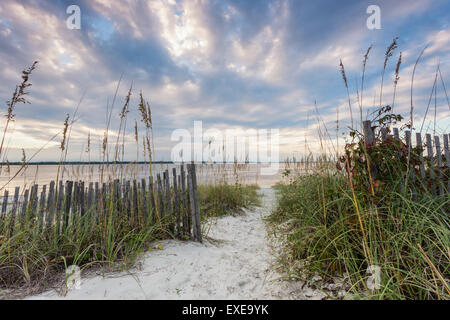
[236,267]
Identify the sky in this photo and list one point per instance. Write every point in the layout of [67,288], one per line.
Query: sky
[231,64]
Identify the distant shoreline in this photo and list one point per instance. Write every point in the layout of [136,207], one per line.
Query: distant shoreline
[119,162]
[86,162]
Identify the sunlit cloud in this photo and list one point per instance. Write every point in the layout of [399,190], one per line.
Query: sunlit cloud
[253,64]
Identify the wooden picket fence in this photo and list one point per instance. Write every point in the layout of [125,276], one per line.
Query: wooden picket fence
[433,170]
[174,197]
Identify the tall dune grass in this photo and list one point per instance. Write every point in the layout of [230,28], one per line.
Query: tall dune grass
[367,212]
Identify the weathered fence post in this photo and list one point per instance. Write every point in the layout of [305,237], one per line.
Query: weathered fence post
[396,134]
[82,199]
[168,200]
[50,205]
[74,205]
[24,212]
[144,199]
[34,200]
[160,197]
[5,203]
[383,134]
[411,167]
[439,164]
[176,204]
[447,159]
[186,216]
[127,199]
[421,166]
[369,136]
[90,197]
[59,206]
[68,202]
[135,202]
[194,202]
[13,211]
[97,196]
[151,188]
[40,218]
[431,164]
[191,203]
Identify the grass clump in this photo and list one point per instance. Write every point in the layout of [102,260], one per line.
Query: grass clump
[35,256]
[409,240]
[226,198]
[372,212]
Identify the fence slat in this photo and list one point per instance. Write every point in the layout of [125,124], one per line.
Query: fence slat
[168,199]
[151,193]
[384,134]
[369,136]
[439,164]
[161,209]
[68,202]
[59,206]
[50,204]
[115,193]
[75,203]
[191,204]
[180,204]
[421,166]
[14,210]
[184,200]
[97,197]
[42,199]
[23,214]
[176,203]
[408,138]
[34,200]
[431,164]
[197,208]
[194,192]
[396,134]
[104,200]
[144,199]
[135,202]
[447,159]
[82,199]
[90,198]
[5,202]
[412,172]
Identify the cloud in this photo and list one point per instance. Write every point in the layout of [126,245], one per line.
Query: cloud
[258,64]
